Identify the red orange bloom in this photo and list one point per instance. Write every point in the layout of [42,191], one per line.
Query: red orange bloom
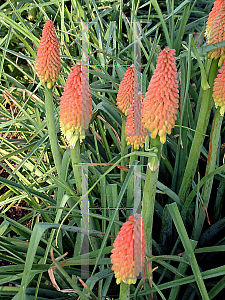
[212,15]
[128,251]
[76,104]
[218,90]
[125,95]
[216,33]
[47,63]
[161,100]
[135,131]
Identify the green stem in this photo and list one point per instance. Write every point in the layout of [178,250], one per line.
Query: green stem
[75,156]
[199,134]
[52,129]
[123,148]
[211,164]
[130,190]
[124,291]
[149,193]
[199,101]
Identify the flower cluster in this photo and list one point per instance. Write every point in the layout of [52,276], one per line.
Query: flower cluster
[215,30]
[161,100]
[212,15]
[219,90]
[76,104]
[126,91]
[135,131]
[128,251]
[47,63]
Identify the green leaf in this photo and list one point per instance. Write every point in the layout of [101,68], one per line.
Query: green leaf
[188,248]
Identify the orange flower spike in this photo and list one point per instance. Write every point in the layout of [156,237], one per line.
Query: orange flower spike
[47,63]
[125,95]
[218,90]
[212,15]
[128,251]
[217,34]
[161,100]
[75,105]
[135,131]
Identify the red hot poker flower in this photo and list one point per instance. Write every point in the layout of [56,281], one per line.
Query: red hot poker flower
[135,131]
[219,90]
[75,105]
[125,95]
[217,34]
[212,15]
[161,100]
[47,63]
[128,251]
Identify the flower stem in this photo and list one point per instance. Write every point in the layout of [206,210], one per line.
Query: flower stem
[75,156]
[199,134]
[124,291]
[150,192]
[123,148]
[211,164]
[130,190]
[52,129]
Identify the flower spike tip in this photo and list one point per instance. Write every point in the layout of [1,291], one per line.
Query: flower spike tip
[128,251]
[47,63]
[161,100]
[75,105]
